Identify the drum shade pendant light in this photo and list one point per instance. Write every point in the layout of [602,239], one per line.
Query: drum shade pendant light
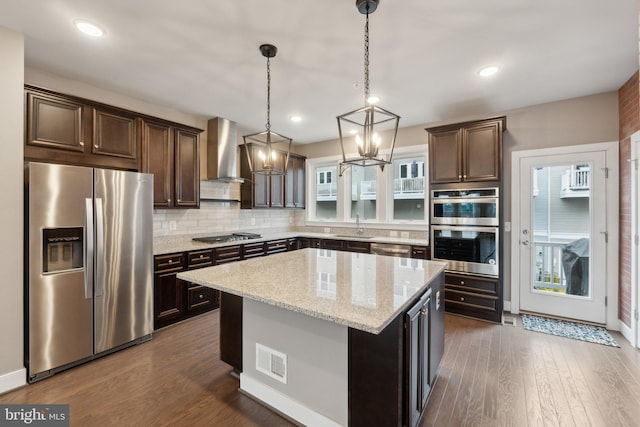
[368,122]
[269,161]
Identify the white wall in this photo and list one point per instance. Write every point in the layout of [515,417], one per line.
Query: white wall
[12,373]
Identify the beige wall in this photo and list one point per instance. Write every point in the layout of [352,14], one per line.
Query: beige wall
[575,121]
[11,216]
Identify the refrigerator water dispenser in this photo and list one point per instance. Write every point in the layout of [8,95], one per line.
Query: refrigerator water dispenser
[62,249]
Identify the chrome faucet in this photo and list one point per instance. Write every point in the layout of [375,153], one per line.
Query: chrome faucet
[359,227]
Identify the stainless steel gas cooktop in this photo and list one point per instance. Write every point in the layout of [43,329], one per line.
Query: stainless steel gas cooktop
[227,237]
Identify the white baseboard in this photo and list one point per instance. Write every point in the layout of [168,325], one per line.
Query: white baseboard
[283,403]
[12,380]
[506,306]
[627,333]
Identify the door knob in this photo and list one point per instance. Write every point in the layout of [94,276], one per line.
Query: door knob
[525,242]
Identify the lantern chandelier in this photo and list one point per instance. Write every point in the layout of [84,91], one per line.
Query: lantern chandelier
[268,160]
[366,122]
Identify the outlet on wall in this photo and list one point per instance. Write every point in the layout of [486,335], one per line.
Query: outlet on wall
[393,233]
[327,230]
[404,234]
[172,225]
[253,221]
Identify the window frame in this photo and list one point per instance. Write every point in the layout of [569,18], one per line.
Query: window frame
[384,194]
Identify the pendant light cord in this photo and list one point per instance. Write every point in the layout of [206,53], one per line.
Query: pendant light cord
[268,94]
[366,58]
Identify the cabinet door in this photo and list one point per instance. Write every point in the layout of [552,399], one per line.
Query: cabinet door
[294,183]
[115,134]
[261,187]
[157,159]
[169,303]
[231,330]
[413,404]
[187,169]
[290,184]
[276,184]
[54,123]
[482,149]
[445,159]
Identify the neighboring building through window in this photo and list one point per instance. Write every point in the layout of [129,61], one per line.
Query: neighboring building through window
[326,192]
[408,188]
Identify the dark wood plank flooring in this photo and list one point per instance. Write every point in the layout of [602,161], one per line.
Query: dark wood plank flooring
[491,375]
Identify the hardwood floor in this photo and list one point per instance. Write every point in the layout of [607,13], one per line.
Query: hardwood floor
[491,375]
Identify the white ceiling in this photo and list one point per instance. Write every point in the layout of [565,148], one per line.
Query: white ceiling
[202,57]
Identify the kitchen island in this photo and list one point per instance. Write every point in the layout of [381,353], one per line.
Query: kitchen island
[332,338]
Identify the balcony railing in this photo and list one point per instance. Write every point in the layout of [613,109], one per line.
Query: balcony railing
[549,274]
[408,188]
[575,183]
[403,188]
[327,191]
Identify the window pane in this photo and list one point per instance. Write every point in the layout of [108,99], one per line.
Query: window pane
[363,192]
[408,188]
[326,193]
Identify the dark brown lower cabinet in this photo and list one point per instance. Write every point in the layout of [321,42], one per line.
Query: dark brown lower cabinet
[231,330]
[390,374]
[474,296]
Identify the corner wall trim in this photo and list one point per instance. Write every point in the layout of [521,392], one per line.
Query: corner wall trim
[13,380]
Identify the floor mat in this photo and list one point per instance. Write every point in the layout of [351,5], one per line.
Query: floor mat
[563,328]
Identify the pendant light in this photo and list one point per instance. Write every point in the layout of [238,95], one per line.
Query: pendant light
[368,122]
[263,158]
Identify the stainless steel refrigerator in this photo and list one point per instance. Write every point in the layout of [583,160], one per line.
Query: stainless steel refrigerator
[89,264]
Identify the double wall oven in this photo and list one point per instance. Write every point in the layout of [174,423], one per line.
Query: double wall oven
[465,229]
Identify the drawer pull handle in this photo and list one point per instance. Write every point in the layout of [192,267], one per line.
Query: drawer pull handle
[170,261]
[461,298]
[462,282]
[201,296]
[201,256]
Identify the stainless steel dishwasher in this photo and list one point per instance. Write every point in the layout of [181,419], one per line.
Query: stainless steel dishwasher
[390,249]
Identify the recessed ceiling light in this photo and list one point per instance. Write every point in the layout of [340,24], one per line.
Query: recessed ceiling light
[296,119]
[488,71]
[89,28]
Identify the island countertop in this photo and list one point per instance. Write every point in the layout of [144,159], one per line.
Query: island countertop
[361,291]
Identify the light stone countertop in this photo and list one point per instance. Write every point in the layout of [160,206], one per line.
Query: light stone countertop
[181,243]
[361,291]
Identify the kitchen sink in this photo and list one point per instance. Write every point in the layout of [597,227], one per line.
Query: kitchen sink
[354,237]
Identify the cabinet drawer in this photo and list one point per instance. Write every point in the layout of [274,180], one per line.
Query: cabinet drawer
[252,250]
[353,246]
[292,244]
[276,246]
[228,254]
[199,259]
[419,252]
[169,262]
[201,297]
[472,283]
[470,300]
[336,245]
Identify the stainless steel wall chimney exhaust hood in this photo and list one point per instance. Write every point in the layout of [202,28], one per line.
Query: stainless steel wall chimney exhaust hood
[222,151]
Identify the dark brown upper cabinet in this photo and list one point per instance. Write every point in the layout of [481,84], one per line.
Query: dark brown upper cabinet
[261,191]
[70,130]
[171,154]
[294,185]
[466,152]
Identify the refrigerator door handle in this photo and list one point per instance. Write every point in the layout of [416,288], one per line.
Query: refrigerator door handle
[88,249]
[99,248]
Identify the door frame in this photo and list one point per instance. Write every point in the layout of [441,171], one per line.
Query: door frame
[612,156]
[632,332]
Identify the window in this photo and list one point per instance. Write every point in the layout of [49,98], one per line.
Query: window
[408,188]
[326,192]
[395,195]
[363,192]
